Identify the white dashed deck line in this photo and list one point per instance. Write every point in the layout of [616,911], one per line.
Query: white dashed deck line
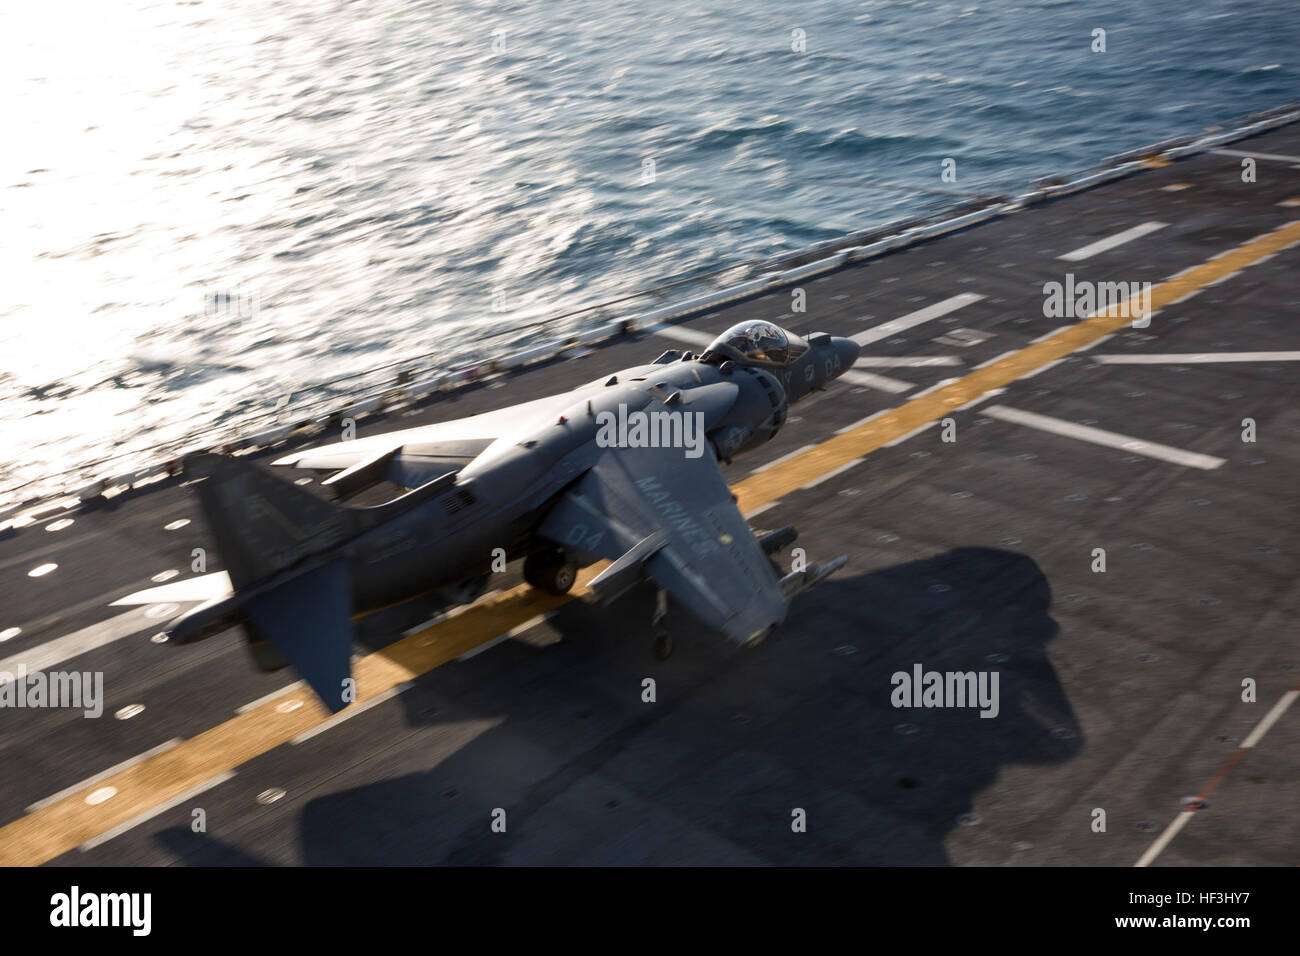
[913,319]
[1097,436]
[134,822]
[1111,242]
[1197,358]
[103,775]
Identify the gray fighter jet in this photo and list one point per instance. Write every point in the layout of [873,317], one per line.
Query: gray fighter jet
[624,469]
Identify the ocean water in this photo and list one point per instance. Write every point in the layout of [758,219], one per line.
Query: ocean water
[210,209]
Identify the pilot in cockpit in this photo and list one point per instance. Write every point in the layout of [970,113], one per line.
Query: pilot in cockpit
[756,343]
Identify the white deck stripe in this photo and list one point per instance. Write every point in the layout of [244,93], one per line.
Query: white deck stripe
[1110,242]
[47,655]
[1273,156]
[203,587]
[153,812]
[1097,436]
[1162,841]
[905,361]
[1271,718]
[1185,816]
[913,319]
[871,380]
[1197,358]
[103,775]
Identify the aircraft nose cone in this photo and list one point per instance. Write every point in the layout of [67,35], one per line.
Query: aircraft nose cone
[848,351]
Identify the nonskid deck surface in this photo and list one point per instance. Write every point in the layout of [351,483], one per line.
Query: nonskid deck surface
[1118,691]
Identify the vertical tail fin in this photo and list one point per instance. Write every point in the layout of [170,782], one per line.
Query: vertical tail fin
[263,524]
[264,527]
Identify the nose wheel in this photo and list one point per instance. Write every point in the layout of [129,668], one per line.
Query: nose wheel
[663,645]
[550,571]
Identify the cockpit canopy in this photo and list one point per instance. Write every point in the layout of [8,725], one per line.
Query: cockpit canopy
[756,343]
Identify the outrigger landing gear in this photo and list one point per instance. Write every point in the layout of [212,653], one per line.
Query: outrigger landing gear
[663,645]
[550,571]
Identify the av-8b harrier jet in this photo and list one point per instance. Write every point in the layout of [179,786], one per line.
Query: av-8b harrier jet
[624,469]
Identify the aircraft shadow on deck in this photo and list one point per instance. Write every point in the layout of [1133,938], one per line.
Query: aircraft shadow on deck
[711,772]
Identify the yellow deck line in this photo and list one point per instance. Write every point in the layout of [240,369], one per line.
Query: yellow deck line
[65,825]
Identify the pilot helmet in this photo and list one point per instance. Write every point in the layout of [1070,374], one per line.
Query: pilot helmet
[755,343]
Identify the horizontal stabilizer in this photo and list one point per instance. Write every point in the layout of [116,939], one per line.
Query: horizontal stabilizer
[774,541]
[367,472]
[308,620]
[798,581]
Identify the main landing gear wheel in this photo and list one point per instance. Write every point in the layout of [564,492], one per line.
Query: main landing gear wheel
[663,645]
[550,571]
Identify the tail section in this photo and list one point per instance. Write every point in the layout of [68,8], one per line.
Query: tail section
[293,598]
[263,524]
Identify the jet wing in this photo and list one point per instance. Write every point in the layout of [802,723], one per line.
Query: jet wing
[412,456]
[672,517]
